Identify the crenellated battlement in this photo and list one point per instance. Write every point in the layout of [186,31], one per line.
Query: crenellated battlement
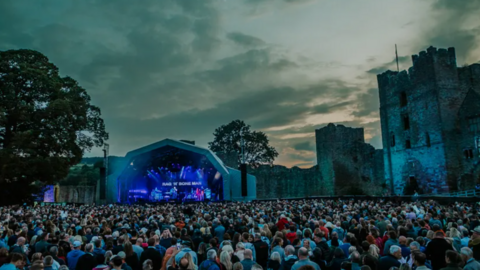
[427,65]
[385,80]
[435,56]
[393,81]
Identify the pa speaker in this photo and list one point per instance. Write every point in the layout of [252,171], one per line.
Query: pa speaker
[243,170]
[103,184]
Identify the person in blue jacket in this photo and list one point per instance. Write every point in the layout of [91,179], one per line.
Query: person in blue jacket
[74,255]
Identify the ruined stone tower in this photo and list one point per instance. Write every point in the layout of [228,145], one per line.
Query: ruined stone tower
[348,165]
[429,127]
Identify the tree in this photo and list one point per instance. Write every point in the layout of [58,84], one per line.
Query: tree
[227,139]
[46,122]
[82,175]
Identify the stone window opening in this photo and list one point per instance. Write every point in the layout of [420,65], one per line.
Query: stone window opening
[392,139]
[468,153]
[413,180]
[474,124]
[427,140]
[403,99]
[406,122]
[408,144]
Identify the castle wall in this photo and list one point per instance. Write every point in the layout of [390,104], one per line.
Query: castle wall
[430,96]
[470,167]
[348,165]
[76,194]
[281,182]
[345,165]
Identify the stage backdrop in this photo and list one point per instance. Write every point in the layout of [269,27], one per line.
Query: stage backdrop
[125,177]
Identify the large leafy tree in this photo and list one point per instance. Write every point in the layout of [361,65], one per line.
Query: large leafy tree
[46,123]
[257,150]
[82,175]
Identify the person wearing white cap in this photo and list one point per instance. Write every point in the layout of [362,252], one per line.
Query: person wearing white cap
[74,255]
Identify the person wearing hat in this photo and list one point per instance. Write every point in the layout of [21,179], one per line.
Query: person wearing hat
[474,243]
[74,255]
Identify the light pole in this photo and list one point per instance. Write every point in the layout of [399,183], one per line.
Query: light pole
[243,167]
[242,144]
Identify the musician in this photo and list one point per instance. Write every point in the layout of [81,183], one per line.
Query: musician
[198,194]
[174,192]
[156,194]
[202,194]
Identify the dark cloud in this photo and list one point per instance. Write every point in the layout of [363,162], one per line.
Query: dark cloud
[170,69]
[245,40]
[266,108]
[329,108]
[403,62]
[456,25]
[367,104]
[306,146]
[257,2]
[260,7]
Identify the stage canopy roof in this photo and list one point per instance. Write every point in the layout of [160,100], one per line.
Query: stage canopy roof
[231,177]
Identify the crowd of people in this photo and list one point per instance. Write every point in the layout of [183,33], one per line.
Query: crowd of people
[309,234]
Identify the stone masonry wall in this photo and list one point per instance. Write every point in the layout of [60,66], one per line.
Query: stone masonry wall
[76,194]
[281,182]
[347,164]
[425,150]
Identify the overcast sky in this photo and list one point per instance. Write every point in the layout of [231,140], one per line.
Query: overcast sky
[181,68]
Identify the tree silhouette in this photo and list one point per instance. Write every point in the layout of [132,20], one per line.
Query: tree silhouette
[227,139]
[46,123]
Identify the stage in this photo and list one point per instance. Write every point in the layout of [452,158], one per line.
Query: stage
[173,171]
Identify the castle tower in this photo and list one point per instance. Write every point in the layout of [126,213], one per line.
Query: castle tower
[345,162]
[419,120]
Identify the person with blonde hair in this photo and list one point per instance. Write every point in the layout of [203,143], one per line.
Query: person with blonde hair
[238,266]
[374,251]
[240,253]
[225,260]
[275,261]
[456,237]
[37,257]
[147,265]
[191,264]
[430,235]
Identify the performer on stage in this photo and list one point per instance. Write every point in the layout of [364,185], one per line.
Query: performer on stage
[198,196]
[156,195]
[202,194]
[174,192]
